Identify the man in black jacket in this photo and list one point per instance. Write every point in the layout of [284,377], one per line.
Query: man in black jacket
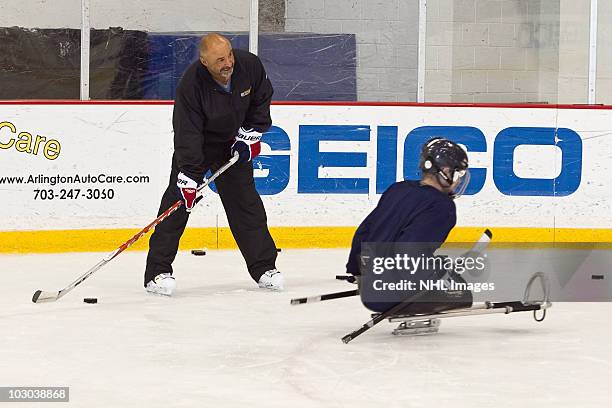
[222,107]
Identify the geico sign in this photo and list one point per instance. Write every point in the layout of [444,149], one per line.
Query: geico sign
[311,158]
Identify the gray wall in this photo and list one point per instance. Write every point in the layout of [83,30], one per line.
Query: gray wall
[493,51]
[149,15]
[272,16]
[477,50]
[386,33]
[574,49]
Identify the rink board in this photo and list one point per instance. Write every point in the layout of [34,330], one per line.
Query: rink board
[86,176]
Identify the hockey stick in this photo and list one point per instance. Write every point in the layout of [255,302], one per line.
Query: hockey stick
[348,278]
[43,296]
[479,246]
[379,318]
[329,296]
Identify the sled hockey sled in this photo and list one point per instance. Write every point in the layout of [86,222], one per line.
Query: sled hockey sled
[418,324]
[430,323]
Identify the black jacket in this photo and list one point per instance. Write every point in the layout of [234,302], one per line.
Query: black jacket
[206,118]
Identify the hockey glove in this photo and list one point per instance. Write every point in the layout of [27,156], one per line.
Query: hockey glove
[189,190]
[247,144]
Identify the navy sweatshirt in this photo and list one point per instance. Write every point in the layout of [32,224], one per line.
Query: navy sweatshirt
[407,212]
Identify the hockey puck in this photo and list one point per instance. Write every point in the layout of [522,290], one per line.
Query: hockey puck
[278,249]
[198,252]
[90,300]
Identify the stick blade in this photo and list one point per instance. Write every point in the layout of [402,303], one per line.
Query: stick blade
[42,296]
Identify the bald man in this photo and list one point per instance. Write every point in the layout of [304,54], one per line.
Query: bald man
[222,107]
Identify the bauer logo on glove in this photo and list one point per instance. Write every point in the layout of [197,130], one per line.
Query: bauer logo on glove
[247,144]
[189,190]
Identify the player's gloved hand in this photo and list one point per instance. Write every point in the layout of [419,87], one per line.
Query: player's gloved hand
[247,144]
[189,190]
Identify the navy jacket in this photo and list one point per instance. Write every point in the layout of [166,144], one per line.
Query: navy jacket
[407,212]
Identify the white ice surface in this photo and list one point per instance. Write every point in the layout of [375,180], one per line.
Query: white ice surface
[221,342]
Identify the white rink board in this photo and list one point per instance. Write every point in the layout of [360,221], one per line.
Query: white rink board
[136,140]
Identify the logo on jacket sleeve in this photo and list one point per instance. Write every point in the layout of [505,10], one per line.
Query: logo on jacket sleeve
[245,93]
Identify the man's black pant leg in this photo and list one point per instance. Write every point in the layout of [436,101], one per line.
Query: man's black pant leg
[164,242]
[247,218]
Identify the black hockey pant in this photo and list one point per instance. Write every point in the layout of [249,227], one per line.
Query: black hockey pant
[429,302]
[245,213]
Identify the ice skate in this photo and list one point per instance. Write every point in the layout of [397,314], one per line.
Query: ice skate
[272,280]
[162,284]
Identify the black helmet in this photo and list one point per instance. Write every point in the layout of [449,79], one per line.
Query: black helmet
[439,153]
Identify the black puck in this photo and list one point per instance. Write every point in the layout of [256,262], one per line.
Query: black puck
[198,252]
[90,300]
[278,249]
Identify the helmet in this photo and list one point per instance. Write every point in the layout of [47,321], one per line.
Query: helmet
[439,153]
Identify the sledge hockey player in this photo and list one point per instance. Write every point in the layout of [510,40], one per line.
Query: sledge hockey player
[421,214]
[416,217]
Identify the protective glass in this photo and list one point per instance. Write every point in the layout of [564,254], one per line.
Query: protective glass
[461,179]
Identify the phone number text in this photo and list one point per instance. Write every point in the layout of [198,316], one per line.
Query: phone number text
[75,194]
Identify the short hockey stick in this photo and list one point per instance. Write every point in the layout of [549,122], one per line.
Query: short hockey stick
[43,296]
[348,278]
[379,318]
[329,296]
[479,246]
